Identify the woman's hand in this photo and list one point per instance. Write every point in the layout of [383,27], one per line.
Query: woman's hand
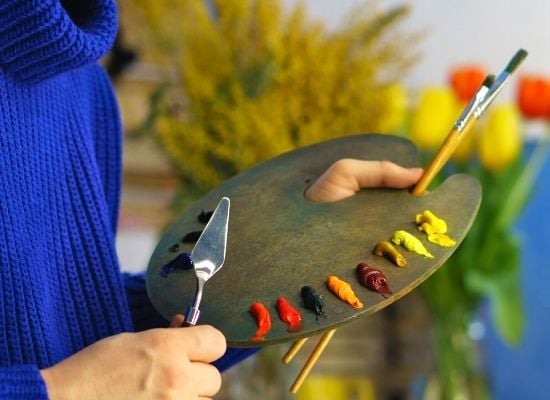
[347,176]
[155,364]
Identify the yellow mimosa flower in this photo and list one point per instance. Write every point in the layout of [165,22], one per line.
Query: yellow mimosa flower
[396,105]
[254,79]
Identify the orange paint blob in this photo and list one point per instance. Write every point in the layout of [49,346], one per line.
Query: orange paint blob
[343,290]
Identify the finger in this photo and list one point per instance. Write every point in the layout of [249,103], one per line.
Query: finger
[203,343]
[385,174]
[347,176]
[176,321]
[208,379]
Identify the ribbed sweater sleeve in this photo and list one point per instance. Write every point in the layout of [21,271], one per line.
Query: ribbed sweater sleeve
[41,38]
[60,286]
[22,382]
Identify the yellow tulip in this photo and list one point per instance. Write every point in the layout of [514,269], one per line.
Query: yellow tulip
[467,146]
[434,117]
[500,139]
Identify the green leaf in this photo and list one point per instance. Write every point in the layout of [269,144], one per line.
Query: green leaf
[505,291]
[507,312]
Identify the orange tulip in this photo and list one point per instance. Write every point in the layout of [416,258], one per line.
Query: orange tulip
[533,96]
[466,80]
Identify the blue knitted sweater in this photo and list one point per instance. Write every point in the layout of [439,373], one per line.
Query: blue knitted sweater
[60,144]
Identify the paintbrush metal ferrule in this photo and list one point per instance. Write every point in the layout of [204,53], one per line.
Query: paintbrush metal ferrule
[472,106]
[493,92]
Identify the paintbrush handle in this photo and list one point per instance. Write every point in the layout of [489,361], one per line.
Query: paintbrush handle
[452,141]
[325,339]
[294,349]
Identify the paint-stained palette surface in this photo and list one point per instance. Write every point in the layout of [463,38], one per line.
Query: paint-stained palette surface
[278,241]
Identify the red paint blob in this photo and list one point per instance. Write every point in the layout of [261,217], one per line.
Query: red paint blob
[289,315]
[263,320]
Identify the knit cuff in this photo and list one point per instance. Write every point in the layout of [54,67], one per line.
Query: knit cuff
[144,315]
[22,382]
[234,356]
[42,38]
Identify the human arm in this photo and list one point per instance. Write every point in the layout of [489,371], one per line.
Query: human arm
[150,354]
[158,363]
[144,316]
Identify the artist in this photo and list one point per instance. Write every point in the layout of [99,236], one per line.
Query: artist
[72,326]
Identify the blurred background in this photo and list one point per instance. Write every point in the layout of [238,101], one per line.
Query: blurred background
[210,88]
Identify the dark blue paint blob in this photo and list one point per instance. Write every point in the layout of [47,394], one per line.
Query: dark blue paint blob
[313,301]
[182,261]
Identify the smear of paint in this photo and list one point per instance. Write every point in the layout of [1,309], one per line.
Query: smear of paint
[174,248]
[289,315]
[388,250]
[313,301]
[411,243]
[191,237]
[373,279]
[343,290]
[263,321]
[182,261]
[441,239]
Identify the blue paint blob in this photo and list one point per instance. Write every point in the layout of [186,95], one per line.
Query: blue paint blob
[182,261]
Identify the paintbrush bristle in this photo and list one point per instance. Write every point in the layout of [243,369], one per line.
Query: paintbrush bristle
[488,81]
[516,61]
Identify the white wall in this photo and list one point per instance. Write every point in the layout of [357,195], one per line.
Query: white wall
[487,32]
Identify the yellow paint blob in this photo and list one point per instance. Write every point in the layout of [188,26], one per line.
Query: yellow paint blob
[411,243]
[429,223]
[343,290]
[441,239]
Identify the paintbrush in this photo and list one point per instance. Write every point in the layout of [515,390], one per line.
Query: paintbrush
[473,110]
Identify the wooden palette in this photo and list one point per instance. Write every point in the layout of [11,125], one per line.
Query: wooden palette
[278,241]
